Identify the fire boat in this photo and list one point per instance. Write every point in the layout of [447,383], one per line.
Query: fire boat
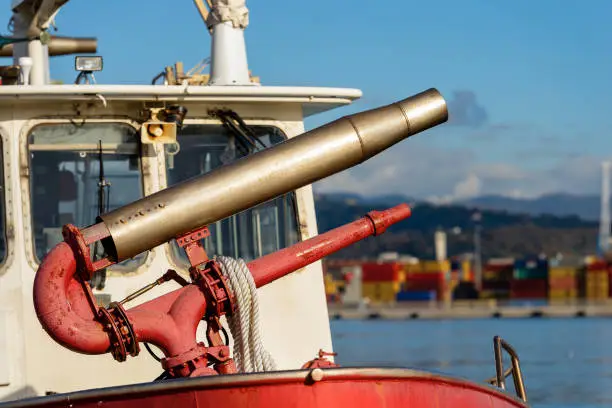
[178,218]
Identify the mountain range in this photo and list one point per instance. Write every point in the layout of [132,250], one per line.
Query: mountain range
[586,207]
[551,225]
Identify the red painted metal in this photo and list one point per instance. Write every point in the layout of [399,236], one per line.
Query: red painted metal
[274,266]
[380,272]
[321,361]
[67,310]
[318,388]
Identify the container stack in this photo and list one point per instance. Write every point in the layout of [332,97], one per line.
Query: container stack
[562,283]
[381,281]
[530,279]
[425,281]
[496,277]
[597,281]
[331,289]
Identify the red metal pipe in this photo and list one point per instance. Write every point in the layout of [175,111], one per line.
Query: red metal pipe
[61,305]
[270,267]
[170,321]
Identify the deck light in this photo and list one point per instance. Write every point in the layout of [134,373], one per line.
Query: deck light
[88,64]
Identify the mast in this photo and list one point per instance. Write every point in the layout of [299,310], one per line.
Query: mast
[226,20]
[30,19]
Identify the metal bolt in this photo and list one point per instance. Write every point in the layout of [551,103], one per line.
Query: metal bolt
[141,212]
[122,221]
[316,374]
[161,205]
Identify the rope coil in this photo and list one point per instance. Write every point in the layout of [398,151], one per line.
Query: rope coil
[249,352]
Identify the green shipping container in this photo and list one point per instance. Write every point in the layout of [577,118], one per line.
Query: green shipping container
[523,273]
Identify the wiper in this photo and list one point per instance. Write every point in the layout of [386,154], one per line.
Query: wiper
[103,197]
[247,139]
[99,278]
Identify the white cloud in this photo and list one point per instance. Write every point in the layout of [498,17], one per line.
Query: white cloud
[442,175]
[468,188]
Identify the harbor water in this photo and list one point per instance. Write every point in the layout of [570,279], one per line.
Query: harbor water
[565,362]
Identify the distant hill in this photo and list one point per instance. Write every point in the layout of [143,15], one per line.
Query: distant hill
[504,233]
[586,207]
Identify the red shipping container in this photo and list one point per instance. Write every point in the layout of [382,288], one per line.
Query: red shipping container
[562,283]
[495,285]
[380,272]
[598,265]
[529,285]
[497,267]
[425,281]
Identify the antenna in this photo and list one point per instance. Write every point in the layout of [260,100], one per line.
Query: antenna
[604,221]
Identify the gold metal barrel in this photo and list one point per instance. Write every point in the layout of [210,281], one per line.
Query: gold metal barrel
[62,46]
[258,178]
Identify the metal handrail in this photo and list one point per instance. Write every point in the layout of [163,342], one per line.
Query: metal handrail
[500,375]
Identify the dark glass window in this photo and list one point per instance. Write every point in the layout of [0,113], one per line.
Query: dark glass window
[65,178]
[250,234]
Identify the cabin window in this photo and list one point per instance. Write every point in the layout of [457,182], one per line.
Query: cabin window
[72,180]
[253,233]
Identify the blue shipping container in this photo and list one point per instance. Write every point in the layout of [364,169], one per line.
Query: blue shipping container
[416,295]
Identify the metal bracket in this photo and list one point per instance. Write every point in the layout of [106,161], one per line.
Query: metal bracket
[500,375]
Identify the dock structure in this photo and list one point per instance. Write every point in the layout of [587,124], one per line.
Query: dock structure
[470,310]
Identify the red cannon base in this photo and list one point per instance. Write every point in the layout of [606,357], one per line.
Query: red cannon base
[324,388]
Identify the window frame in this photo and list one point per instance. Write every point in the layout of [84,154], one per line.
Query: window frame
[26,179]
[8,232]
[287,133]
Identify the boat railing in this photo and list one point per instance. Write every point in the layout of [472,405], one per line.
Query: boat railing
[499,380]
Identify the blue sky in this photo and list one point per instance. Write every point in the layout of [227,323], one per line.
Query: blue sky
[528,82]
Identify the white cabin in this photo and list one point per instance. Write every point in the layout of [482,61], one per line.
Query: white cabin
[50,148]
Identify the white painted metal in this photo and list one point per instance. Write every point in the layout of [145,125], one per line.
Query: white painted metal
[288,306]
[294,309]
[29,18]
[228,56]
[227,20]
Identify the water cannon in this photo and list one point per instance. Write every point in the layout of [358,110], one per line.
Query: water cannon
[67,309]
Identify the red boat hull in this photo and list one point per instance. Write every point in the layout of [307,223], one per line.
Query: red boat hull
[336,387]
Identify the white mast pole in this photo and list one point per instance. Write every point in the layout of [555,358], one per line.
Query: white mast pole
[227,21]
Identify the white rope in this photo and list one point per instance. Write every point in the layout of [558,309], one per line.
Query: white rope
[249,352]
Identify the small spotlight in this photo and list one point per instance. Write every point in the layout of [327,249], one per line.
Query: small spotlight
[88,64]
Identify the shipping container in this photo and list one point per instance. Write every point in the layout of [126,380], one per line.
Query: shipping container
[380,291]
[494,294]
[331,287]
[524,273]
[562,293]
[597,284]
[562,283]
[411,296]
[381,272]
[435,266]
[529,289]
[562,272]
[411,267]
[498,271]
[597,265]
[496,284]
